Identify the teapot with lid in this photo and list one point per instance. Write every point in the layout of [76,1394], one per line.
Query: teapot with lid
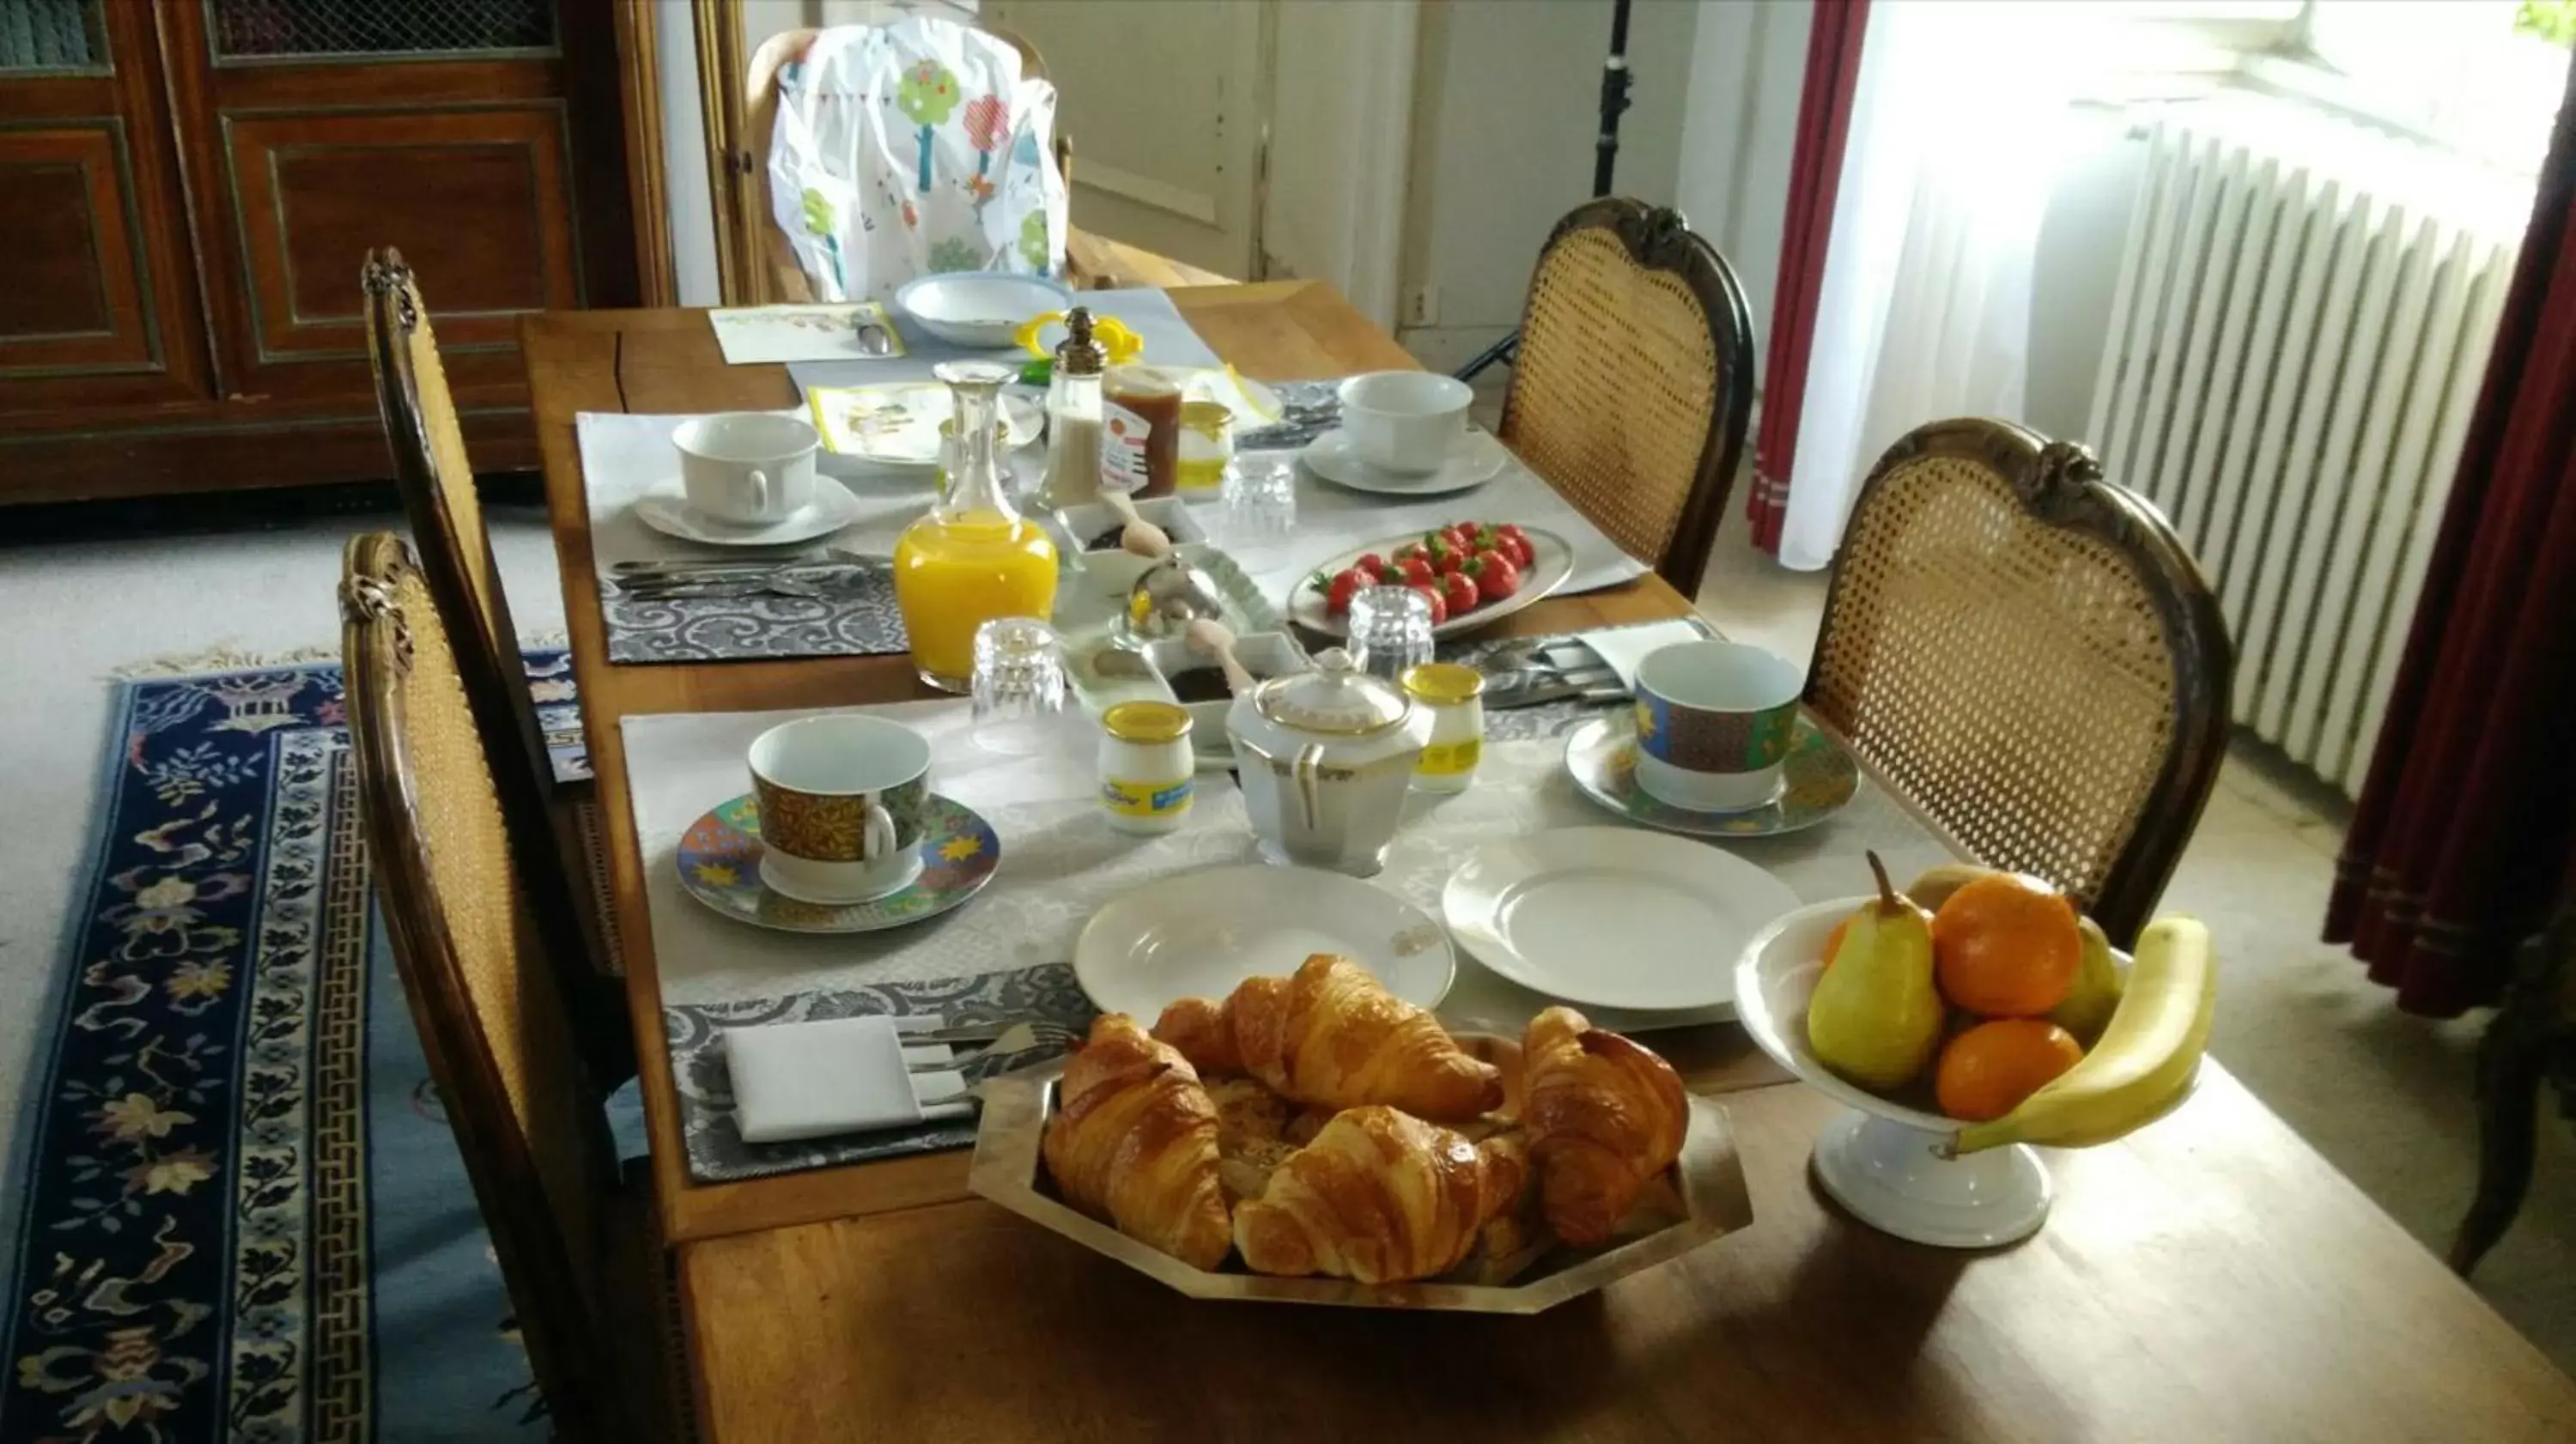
[1325,759]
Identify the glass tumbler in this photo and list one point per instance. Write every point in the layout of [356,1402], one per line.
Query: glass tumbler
[1390,630]
[1257,505]
[1018,687]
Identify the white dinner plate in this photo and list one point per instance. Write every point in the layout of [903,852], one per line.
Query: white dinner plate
[1474,459]
[1199,934]
[1551,562]
[1613,917]
[666,509]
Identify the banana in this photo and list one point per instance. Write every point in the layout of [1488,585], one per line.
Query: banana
[2144,1061]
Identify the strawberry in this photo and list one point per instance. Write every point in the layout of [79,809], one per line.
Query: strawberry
[1455,537]
[1494,575]
[1417,569]
[1409,551]
[1516,545]
[1439,608]
[1369,564]
[1445,558]
[1459,592]
[1337,593]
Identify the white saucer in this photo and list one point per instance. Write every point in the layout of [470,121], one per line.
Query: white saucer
[1474,459]
[1613,917]
[667,511]
[1197,936]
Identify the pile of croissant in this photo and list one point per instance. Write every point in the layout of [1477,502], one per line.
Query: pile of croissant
[1318,1124]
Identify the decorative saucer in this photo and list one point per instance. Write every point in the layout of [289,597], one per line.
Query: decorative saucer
[666,510]
[720,866]
[1816,780]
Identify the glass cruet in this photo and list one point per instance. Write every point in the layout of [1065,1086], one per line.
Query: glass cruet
[973,557]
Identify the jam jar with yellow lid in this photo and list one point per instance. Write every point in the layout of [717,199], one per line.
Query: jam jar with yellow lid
[1453,693]
[1145,766]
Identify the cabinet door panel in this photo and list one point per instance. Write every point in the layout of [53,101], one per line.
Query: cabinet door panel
[75,299]
[473,198]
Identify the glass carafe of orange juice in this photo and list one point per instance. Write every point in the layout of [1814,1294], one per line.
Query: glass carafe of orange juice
[974,557]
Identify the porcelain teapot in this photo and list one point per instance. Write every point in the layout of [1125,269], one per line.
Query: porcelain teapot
[1325,758]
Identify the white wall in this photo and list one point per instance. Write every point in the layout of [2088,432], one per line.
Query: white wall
[1739,129]
[1507,99]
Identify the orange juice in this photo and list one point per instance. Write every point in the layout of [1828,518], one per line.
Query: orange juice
[954,575]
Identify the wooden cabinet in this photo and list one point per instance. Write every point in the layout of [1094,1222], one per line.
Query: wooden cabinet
[187,188]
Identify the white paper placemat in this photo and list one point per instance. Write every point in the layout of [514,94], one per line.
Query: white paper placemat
[1061,862]
[750,335]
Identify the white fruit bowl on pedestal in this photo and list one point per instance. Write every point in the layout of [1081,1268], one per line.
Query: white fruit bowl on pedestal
[1886,1163]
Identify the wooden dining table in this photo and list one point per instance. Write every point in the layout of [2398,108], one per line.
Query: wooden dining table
[2209,1277]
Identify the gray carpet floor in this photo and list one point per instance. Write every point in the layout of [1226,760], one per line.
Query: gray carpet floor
[2383,1096]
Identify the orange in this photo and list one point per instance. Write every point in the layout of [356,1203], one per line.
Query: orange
[2006,946]
[1988,1070]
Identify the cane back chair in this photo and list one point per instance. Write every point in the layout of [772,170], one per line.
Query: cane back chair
[2026,653]
[1635,380]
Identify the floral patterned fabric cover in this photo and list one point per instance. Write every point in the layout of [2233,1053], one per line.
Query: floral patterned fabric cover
[911,148]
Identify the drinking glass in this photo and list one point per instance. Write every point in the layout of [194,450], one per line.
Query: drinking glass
[1390,630]
[1018,686]
[1257,507]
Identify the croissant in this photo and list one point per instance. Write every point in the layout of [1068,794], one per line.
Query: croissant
[1605,1117]
[1334,1037]
[1134,1139]
[1379,1196]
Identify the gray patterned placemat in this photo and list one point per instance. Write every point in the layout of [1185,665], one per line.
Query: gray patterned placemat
[1519,724]
[855,617]
[1308,409]
[1046,996]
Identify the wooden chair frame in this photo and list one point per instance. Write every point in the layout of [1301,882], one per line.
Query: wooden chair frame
[547,1284]
[2060,484]
[1658,239]
[453,551]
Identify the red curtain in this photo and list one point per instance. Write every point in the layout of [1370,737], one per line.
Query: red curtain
[2462,840]
[1816,167]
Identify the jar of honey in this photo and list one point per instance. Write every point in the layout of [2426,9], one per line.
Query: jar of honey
[1140,450]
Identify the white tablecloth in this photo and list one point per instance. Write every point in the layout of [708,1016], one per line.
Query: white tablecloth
[1060,861]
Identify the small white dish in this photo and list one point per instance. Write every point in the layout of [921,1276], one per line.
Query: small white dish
[1474,459]
[979,308]
[1198,935]
[1612,917]
[666,510]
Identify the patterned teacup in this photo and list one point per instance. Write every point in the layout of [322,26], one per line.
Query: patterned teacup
[1714,721]
[841,806]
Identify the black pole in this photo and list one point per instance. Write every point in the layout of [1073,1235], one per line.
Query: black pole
[1614,100]
[1615,80]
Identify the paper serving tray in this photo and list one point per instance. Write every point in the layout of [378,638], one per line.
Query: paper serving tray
[1709,1178]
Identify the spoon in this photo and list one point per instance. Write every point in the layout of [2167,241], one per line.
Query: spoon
[1208,635]
[1141,537]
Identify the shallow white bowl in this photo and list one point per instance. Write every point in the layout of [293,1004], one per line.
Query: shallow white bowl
[979,308]
[1199,934]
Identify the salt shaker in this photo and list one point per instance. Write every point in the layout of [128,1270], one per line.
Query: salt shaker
[1074,413]
[1453,693]
[1146,770]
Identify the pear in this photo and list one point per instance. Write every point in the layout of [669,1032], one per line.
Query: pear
[1875,1017]
[1936,884]
[2095,994]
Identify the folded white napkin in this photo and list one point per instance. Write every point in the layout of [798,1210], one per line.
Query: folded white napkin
[1624,648]
[838,1075]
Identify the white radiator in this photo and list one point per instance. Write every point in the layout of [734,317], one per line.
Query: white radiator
[2297,338]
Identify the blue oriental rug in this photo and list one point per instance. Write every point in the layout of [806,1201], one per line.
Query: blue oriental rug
[236,1212]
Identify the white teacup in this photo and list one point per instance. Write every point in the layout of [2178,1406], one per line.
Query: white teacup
[1714,723]
[1404,420]
[747,466]
[842,806]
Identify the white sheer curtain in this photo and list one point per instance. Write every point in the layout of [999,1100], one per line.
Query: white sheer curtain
[1924,313]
